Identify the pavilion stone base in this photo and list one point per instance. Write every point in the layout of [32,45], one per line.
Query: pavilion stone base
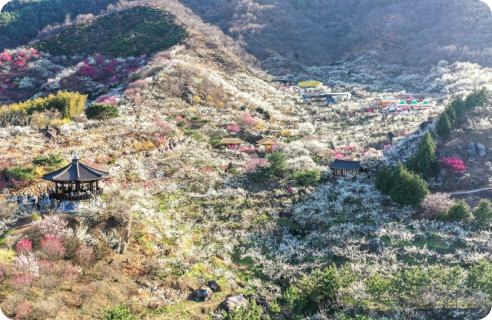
[73,206]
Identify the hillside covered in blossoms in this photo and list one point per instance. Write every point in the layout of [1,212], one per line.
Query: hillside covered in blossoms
[154,167]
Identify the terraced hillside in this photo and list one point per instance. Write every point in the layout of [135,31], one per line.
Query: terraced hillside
[188,226]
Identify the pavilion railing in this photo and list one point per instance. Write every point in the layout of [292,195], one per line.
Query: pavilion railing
[77,197]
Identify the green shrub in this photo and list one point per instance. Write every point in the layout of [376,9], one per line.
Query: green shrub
[120,312]
[182,123]
[480,277]
[322,286]
[458,212]
[294,300]
[308,177]
[377,286]
[483,213]
[317,160]
[196,135]
[215,143]
[6,255]
[35,217]
[53,160]
[102,111]
[278,163]
[265,173]
[21,173]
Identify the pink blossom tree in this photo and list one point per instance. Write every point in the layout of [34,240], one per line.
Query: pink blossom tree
[27,263]
[87,71]
[233,127]
[53,247]
[435,204]
[23,311]
[22,282]
[85,255]
[53,226]
[24,246]
[46,267]
[20,62]
[248,120]
[71,274]
[5,57]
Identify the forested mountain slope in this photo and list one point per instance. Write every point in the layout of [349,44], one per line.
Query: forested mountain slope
[320,32]
[21,20]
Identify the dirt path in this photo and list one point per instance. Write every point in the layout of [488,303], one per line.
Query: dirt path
[470,191]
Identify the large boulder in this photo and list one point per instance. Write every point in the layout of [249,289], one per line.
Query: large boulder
[481,150]
[234,302]
[424,125]
[214,285]
[375,246]
[203,294]
[471,150]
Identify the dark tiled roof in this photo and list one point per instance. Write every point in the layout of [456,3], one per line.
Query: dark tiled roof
[76,171]
[345,164]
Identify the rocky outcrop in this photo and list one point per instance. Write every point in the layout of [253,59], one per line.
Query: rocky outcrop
[203,294]
[234,302]
[481,150]
[214,285]
[471,150]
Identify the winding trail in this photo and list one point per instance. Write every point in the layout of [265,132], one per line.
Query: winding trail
[471,191]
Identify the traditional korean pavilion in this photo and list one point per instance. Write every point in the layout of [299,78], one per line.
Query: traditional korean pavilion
[77,181]
[345,168]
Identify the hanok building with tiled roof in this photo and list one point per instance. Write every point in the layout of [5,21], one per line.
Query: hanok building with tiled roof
[345,168]
[232,141]
[77,181]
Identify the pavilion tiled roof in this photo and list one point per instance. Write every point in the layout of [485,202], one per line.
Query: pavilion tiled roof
[76,172]
[232,141]
[346,165]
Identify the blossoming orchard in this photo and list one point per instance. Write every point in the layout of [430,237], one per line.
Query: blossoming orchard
[200,183]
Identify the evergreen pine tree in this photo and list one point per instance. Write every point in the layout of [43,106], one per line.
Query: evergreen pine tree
[278,163]
[477,98]
[483,213]
[443,126]
[451,113]
[424,161]
[458,212]
[459,107]
[102,111]
[384,180]
[408,188]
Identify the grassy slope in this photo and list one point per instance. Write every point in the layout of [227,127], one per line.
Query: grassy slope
[137,31]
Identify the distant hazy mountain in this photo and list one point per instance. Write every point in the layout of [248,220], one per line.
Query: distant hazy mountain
[319,32]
